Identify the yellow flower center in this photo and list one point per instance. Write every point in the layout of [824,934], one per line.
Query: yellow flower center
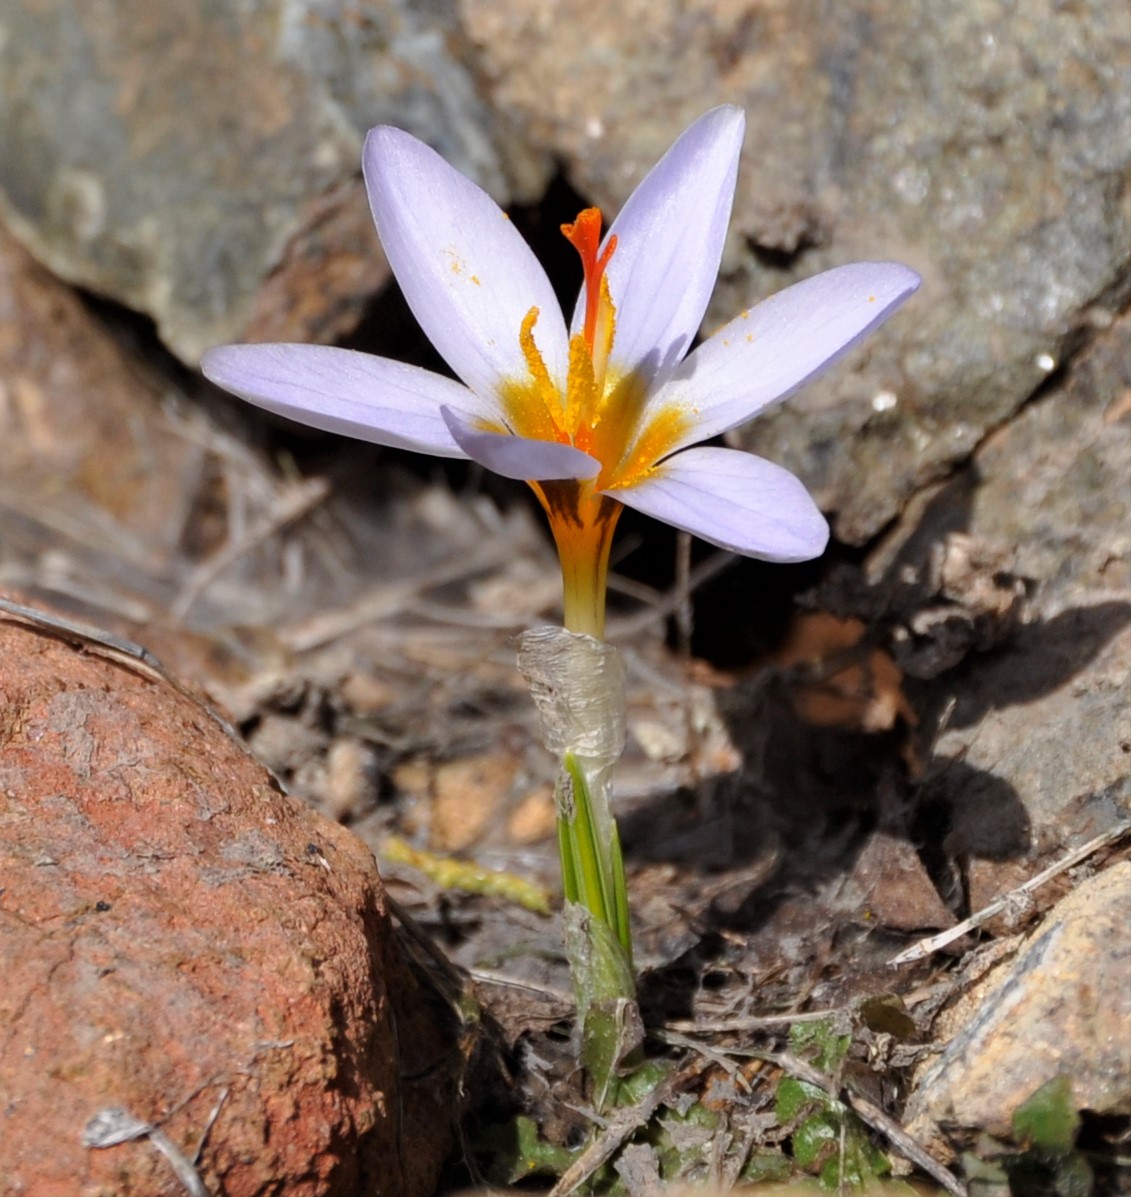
[600,412]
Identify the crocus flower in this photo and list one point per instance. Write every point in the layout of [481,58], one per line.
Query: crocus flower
[610,410]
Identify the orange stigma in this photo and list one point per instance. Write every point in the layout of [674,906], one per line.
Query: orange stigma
[585,236]
[602,410]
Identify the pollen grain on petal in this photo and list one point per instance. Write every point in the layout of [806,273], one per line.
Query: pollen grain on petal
[483,424]
[661,432]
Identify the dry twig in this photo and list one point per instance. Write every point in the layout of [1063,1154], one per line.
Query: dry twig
[290,506]
[1015,897]
[112,1126]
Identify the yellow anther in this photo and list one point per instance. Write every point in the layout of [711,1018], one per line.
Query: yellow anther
[581,395]
[534,360]
[535,408]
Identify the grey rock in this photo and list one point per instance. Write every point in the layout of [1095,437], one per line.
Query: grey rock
[201,165]
[1040,736]
[1041,745]
[173,157]
[1007,591]
[1062,1007]
[985,146]
[1054,482]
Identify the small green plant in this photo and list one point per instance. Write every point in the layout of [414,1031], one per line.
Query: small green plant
[828,1140]
[820,1043]
[1046,1127]
[1042,1159]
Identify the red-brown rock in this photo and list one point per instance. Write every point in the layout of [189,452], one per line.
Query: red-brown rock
[181,940]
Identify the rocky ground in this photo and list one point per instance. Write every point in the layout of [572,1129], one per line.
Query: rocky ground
[887,796]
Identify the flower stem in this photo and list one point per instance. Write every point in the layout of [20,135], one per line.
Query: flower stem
[583,524]
[584,583]
[577,682]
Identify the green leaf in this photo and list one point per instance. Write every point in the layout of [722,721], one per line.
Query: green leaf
[584,849]
[819,1042]
[794,1096]
[1049,1120]
[814,1138]
[886,1014]
[607,1014]
[639,1083]
[516,1150]
[861,1162]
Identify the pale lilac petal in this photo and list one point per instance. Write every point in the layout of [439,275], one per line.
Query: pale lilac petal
[519,456]
[354,394]
[735,500]
[465,271]
[768,352]
[670,238]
